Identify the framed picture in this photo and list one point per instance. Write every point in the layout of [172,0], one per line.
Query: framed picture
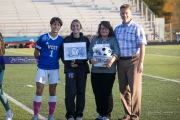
[75,50]
[102,61]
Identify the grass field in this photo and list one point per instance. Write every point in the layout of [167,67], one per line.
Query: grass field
[160,95]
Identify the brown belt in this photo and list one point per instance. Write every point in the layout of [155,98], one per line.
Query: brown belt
[130,57]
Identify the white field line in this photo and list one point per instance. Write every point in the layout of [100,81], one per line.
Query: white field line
[164,79]
[24,107]
[20,104]
[163,55]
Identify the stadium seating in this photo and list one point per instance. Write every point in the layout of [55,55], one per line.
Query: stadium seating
[31,18]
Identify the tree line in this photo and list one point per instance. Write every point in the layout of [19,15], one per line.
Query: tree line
[168,9]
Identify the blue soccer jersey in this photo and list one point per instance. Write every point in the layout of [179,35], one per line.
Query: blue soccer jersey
[49,51]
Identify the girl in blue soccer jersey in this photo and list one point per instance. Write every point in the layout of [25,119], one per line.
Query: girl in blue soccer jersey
[47,54]
[3,98]
[75,74]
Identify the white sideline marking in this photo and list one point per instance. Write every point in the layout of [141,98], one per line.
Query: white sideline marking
[30,85]
[164,79]
[17,102]
[24,107]
[163,55]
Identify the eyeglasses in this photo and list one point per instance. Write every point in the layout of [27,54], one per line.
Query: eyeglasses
[103,28]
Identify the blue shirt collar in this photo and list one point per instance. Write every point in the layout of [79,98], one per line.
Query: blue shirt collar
[127,24]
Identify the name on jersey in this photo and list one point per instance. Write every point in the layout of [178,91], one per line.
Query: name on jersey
[52,47]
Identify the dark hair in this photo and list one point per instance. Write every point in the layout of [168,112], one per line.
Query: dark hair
[107,25]
[76,20]
[1,35]
[56,19]
[126,6]
[2,51]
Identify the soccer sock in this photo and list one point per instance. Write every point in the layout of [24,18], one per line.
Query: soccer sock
[4,99]
[37,104]
[52,104]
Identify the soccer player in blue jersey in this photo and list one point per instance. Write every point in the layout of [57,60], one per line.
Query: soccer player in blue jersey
[46,52]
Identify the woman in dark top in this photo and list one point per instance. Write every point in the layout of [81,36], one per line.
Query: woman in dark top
[75,74]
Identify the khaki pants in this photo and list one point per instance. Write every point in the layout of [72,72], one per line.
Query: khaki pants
[130,86]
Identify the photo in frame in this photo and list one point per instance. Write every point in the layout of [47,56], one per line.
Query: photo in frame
[75,50]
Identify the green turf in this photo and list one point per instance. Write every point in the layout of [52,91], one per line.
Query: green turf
[160,98]
[19,113]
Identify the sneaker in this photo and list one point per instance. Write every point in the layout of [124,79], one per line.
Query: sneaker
[99,117]
[78,118]
[71,119]
[105,118]
[50,117]
[34,118]
[9,115]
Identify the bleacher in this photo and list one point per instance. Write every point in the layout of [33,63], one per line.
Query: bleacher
[24,18]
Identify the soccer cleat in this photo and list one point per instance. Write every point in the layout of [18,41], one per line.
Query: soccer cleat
[50,117]
[78,118]
[9,115]
[34,118]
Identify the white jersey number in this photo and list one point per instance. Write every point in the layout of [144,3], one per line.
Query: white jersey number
[51,53]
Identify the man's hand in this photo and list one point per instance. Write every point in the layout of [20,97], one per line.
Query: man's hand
[140,68]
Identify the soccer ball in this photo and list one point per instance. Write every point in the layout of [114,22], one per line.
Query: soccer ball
[106,51]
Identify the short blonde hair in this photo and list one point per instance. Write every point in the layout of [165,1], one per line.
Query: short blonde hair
[126,6]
